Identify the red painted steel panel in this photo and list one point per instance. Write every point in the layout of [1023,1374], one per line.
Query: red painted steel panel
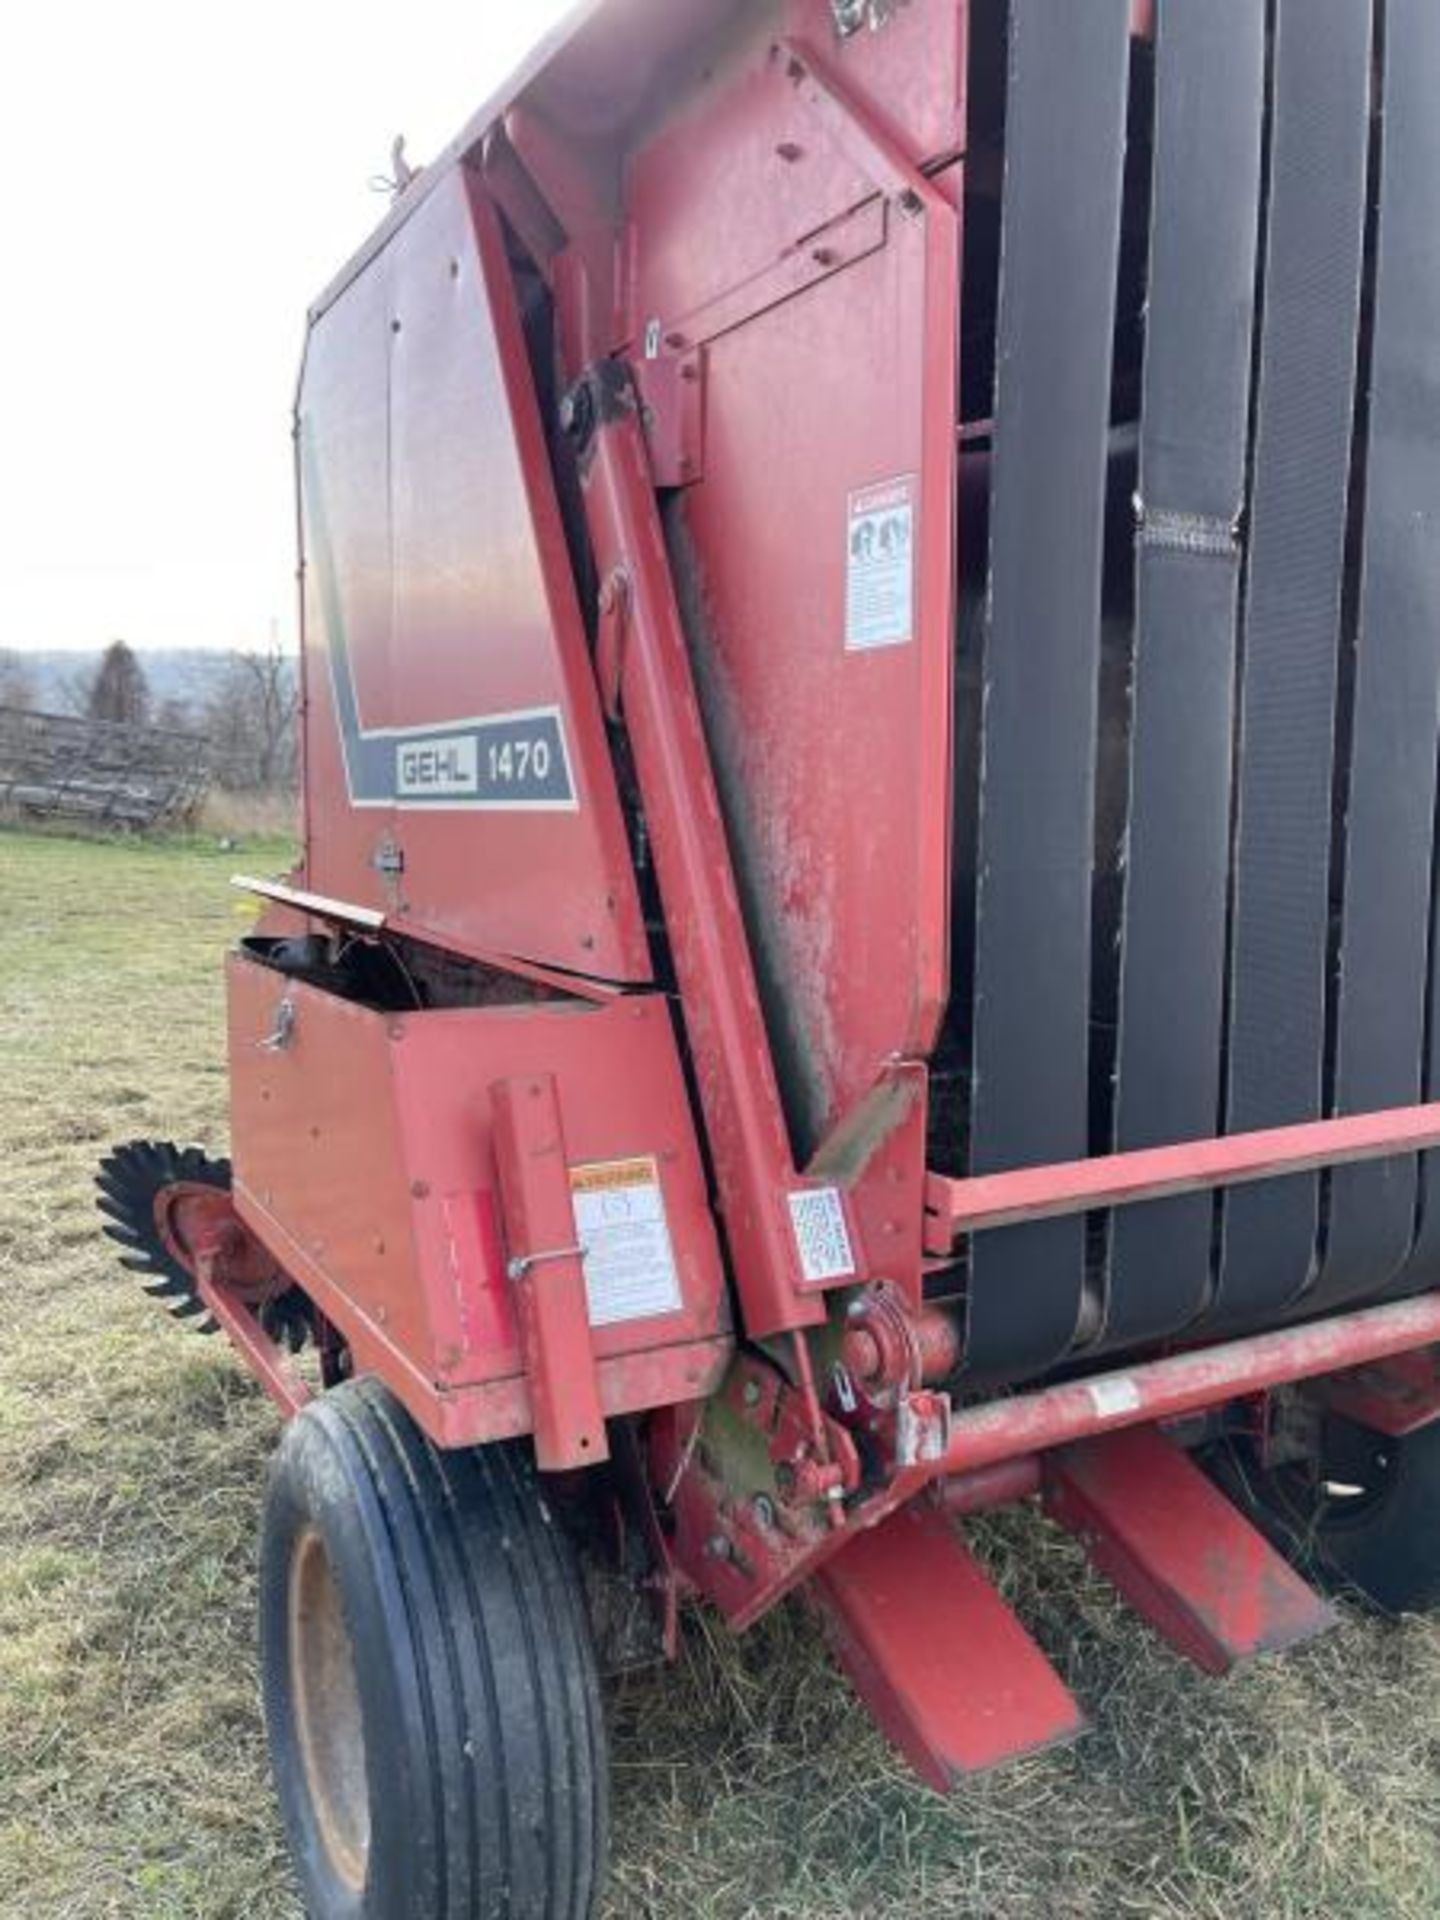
[738,121]
[364,1157]
[941,1661]
[837,787]
[831,745]
[1179,1551]
[436,567]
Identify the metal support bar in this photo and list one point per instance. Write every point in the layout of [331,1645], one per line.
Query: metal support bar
[745,1122]
[1003,1484]
[266,1359]
[956,1207]
[547,1273]
[1184,1383]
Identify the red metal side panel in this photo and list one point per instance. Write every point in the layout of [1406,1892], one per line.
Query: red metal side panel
[828,419]
[737,174]
[833,760]
[443,635]
[364,1158]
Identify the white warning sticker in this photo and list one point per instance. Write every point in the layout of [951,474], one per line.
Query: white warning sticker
[818,1217]
[1114,1395]
[630,1270]
[880,566]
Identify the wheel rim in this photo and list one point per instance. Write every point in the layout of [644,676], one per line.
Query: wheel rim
[1343,1487]
[327,1711]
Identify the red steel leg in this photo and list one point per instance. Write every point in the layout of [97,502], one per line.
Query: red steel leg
[1178,1550]
[547,1273]
[266,1359]
[949,1673]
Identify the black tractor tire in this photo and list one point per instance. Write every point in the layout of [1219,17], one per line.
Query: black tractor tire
[1363,1516]
[430,1686]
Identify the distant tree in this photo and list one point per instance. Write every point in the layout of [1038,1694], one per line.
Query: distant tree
[18,686]
[251,721]
[175,714]
[119,690]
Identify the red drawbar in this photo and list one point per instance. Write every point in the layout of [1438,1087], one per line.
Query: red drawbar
[1179,1551]
[946,1668]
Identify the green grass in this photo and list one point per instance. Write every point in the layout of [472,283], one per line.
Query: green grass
[748,1783]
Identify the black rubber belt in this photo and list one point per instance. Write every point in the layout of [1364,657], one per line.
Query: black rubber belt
[1060,229]
[1299,489]
[1194,425]
[1386,915]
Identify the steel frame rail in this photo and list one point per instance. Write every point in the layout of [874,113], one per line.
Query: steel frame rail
[955,1207]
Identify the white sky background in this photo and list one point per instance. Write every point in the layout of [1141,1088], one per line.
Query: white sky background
[179,181]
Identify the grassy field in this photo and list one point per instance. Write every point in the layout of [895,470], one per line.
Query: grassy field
[132,1458]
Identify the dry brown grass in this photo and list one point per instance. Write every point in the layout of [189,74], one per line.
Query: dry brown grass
[248,817]
[748,1783]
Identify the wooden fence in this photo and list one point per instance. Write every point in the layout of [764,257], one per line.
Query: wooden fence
[56,766]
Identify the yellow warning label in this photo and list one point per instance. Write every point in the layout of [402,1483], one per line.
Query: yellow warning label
[603,1174]
[620,1223]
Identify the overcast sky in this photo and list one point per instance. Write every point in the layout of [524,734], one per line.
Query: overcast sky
[179,180]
